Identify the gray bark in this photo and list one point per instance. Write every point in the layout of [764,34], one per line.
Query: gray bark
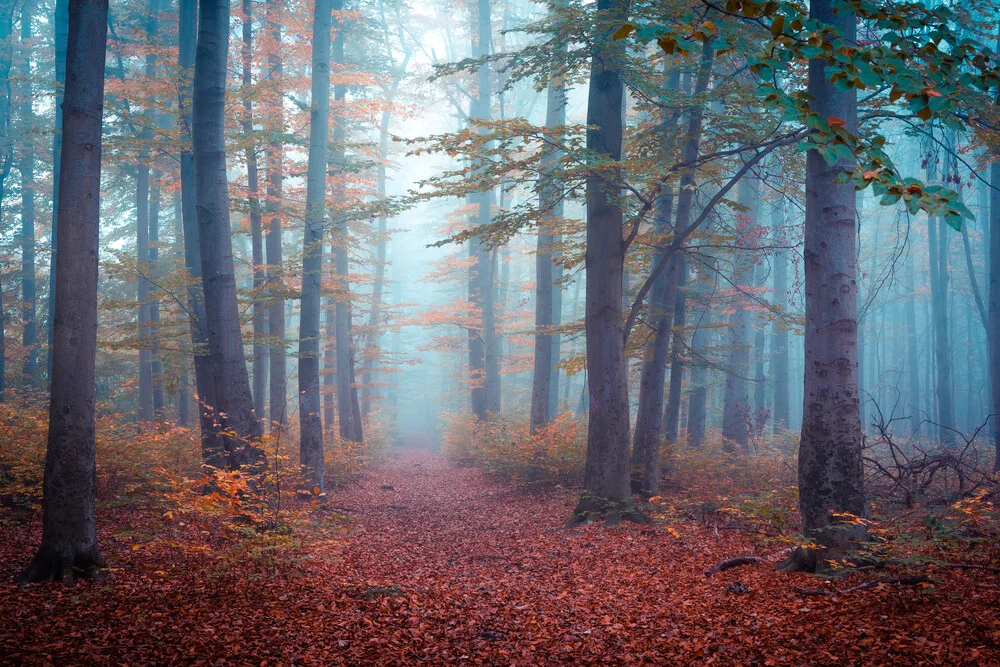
[831,478]
[278,359]
[779,331]
[69,531]
[61,24]
[310,424]
[240,428]
[27,169]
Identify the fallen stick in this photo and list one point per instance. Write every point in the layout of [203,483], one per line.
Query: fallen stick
[730,563]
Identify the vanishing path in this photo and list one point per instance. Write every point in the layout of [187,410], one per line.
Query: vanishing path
[440,564]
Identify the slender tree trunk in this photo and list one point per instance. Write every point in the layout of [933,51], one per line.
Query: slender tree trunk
[736,399]
[937,247]
[329,389]
[700,341]
[779,329]
[912,354]
[545,376]
[6,156]
[310,424]
[240,427]
[606,473]
[69,530]
[27,169]
[61,24]
[831,477]
[156,356]
[348,407]
[277,391]
[649,419]
[260,351]
[142,257]
[993,309]
[672,415]
[211,444]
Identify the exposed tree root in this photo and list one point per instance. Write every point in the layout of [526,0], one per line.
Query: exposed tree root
[730,563]
[65,565]
[592,508]
[800,560]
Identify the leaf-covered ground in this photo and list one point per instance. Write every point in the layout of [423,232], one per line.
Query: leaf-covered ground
[443,565]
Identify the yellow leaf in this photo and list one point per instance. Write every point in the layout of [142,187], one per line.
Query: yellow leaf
[624,31]
[777,26]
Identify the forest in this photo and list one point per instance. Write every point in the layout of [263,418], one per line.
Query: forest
[626,332]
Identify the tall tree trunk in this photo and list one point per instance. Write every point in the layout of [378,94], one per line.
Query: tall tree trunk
[736,399]
[938,249]
[61,24]
[240,427]
[260,352]
[545,376]
[156,356]
[310,424]
[779,329]
[649,419]
[69,530]
[329,377]
[277,391]
[211,444]
[672,415]
[6,155]
[993,308]
[27,169]
[606,473]
[698,400]
[348,406]
[142,208]
[831,477]
[912,354]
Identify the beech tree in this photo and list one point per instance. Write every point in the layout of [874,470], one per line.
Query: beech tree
[69,547]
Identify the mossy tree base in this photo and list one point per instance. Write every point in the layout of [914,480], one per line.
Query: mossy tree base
[800,560]
[592,508]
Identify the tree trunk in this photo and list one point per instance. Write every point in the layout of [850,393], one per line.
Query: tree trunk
[240,427]
[27,169]
[736,399]
[310,424]
[938,248]
[993,310]
[6,156]
[912,354]
[779,329]
[831,477]
[211,445]
[545,376]
[69,532]
[700,341]
[348,407]
[260,352]
[606,473]
[277,391]
[672,416]
[156,357]
[61,24]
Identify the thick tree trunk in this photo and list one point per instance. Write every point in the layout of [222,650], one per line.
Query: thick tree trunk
[831,477]
[310,424]
[277,391]
[545,375]
[61,25]
[27,169]
[211,445]
[736,399]
[606,474]
[260,351]
[348,407]
[6,156]
[240,427]
[993,309]
[69,533]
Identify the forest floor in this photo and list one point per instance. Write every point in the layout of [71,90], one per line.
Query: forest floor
[442,564]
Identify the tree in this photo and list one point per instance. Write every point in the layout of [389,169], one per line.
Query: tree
[27,169]
[606,473]
[310,420]
[545,375]
[6,152]
[212,447]
[69,545]
[831,479]
[278,360]
[239,425]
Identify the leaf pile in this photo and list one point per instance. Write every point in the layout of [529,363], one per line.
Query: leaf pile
[444,565]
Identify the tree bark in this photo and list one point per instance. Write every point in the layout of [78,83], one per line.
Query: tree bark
[736,399]
[211,445]
[6,155]
[240,428]
[61,25]
[606,473]
[348,407]
[260,351]
[69,545]
[671,417]
[310,423]
[278,359]
[27,169]
[831,478]
[545,375]
[938,248]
